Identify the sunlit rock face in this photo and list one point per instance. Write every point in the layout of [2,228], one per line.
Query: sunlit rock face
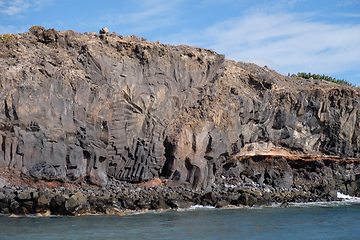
[92,106]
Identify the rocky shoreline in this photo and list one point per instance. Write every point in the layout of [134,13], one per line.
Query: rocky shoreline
[258,180]
[70,201]
[102,123]
[123,198]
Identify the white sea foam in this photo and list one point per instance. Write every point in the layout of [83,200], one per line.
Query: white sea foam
[343,200]
[321,204]
[200,207]
[347,198]
[194,207]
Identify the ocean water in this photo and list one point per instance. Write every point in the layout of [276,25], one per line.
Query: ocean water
[335,220]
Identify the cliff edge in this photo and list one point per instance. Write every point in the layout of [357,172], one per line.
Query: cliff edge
[89,107]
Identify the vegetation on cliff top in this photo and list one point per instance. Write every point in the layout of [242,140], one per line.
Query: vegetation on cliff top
[7,38]
[321,77]
[32,28]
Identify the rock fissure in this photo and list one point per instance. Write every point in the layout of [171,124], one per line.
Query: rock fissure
[95,107]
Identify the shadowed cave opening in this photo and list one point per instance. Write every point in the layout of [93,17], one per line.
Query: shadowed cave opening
[87,156]
[170,148]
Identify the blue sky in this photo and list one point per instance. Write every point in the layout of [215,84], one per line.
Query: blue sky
[289,36]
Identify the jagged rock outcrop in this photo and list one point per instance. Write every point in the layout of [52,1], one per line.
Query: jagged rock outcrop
[89,106]
[255,105]
[75,106]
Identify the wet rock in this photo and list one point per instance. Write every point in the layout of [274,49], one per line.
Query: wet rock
[76,204]
[4,205]
[178,203]
[222,203]
[144,204]
[15,207]
[102,203]
[159,204]
[21,210]
[233,198]
[333,195]
[247,199]
[128,203]
[41,204]
[29,206]
[57,205]
[209,199]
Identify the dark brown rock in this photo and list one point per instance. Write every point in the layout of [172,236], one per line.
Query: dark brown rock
[41,204]
[4,205]
[159,204]
[178,203]
[29,206]
[76,204]
[222,203]
[129,203]
[57,205]
[24,195]
[247,199]
[144,204]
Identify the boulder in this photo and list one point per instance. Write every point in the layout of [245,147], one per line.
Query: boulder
[4,205]
[3,182]
[128,203]
[41,204]
[143,204]
[178,203]
[159,204]
[104,30]
[247,199]
[76,204]
[222,204]
[24,195]
[57,205]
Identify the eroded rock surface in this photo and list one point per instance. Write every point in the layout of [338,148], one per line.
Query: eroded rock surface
[93,106]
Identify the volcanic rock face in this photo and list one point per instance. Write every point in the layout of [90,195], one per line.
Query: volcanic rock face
[89,106]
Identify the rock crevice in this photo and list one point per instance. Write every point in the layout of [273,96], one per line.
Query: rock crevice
[91,107]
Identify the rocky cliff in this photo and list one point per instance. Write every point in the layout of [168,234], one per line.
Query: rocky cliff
[91,107]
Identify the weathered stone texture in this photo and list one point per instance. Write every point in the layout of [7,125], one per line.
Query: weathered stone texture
[89,106]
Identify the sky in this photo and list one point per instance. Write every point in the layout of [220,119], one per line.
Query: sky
[289,36]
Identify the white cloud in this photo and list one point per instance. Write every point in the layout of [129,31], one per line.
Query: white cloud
[15,7]
[145,14]
[350,15]
[12,29]
[7,29]
[149,15]
[39,4]
[284,42]
[348,3]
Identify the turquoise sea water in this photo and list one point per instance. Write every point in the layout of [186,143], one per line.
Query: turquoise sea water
[312,221]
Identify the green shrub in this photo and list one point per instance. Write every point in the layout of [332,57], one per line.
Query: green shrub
[320,77]
[7,38]
[34,27]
